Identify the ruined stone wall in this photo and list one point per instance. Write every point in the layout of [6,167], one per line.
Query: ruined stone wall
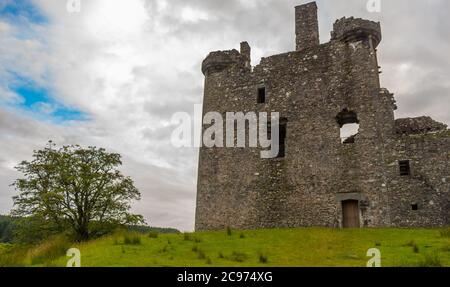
[311,88]
[428,184]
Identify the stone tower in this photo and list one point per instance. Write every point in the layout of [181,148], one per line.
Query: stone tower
[390,173]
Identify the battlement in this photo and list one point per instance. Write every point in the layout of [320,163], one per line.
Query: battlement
[356,29]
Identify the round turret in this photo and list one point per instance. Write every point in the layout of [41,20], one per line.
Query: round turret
[220,60]
[356,29]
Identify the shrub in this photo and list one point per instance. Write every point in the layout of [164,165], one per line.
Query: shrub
[187,237]
[229,232]
[263,258]
[5,247]
[242,236]
[34,230]
[208,261]
[153,234]
[201,254]
[132,239]
[50,250]
[221,255]
[430,261]
[410,243]
[446,248]
[13,257]
[164,249]
[414,246]
[445,232]
[238,256]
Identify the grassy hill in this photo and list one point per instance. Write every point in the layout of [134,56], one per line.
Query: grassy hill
[4,247]
[278,247]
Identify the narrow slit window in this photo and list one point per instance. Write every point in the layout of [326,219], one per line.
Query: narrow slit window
[282,138]
[261,95]
[282,151]
[405,168]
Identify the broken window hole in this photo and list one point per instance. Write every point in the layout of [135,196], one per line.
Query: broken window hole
[349,133]
[349,124]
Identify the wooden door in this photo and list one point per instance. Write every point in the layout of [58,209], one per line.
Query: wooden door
[350,214]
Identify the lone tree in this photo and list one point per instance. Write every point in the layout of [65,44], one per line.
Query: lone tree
[76,188]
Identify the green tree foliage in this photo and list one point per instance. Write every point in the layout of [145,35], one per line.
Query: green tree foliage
[76,188]
[35,229]
[6,229]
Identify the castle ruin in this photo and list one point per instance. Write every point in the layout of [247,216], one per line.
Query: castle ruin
[391,173]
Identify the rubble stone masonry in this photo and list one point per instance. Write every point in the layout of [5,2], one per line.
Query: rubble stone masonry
[397,171]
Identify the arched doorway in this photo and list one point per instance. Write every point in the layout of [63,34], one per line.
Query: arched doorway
[350,214]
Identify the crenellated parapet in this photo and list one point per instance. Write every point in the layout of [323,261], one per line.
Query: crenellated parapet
[356,29]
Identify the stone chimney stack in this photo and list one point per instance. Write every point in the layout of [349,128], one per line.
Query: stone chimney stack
[306,26]
[246,52]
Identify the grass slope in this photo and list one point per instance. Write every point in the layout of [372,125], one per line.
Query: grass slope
[277,247]
[4,246]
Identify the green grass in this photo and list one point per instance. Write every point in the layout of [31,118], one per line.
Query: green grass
[4,247]
[277,247]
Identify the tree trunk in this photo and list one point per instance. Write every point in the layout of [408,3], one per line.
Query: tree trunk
[82,234]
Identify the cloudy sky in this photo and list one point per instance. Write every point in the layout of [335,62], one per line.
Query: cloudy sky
[113,75]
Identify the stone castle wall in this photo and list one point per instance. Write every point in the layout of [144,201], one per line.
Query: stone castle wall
[315,89]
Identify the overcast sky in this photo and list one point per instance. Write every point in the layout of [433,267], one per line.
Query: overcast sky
[114,74]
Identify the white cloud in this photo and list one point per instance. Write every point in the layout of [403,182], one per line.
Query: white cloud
[189,14]
[9,97]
